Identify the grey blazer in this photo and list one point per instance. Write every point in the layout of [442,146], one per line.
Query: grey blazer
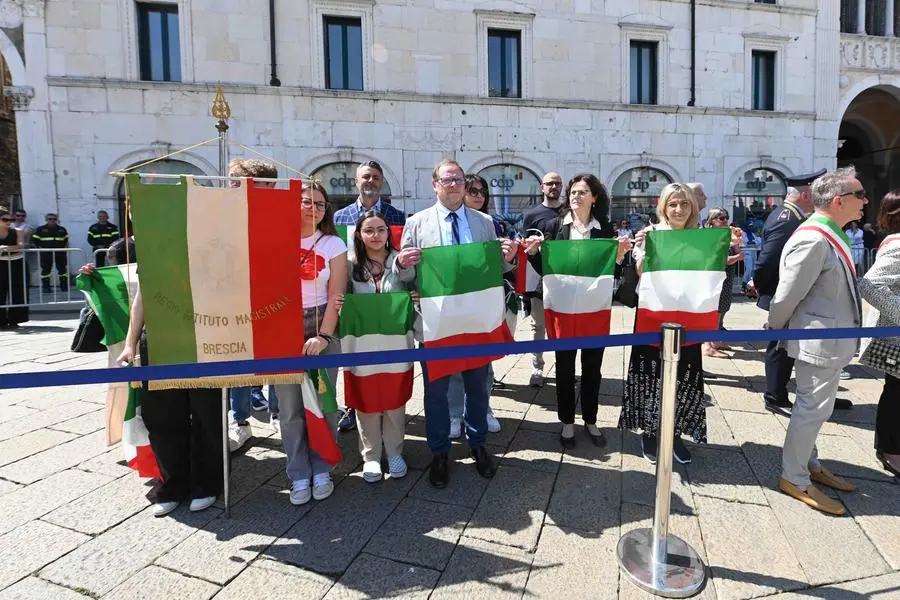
[816,290]
[881,288]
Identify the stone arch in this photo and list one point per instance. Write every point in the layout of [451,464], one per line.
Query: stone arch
[13,60]
[780,168]
[355,156]
[110,184]
[653,163]
[507,159]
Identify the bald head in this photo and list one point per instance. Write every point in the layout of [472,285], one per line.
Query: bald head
[551,188]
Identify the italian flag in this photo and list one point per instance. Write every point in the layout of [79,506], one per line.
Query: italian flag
[319,399]
[578,286]
[462,302]
[217,285]
[371,322]
[820,225]
[108,291]
[682,279]
[345,232]
[527,279]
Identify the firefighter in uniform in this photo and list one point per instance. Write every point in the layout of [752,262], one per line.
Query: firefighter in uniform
[780,225]
[101,235]
[52,235]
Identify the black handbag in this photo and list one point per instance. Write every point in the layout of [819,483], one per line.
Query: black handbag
[89,335]
[882,356]
[626,292]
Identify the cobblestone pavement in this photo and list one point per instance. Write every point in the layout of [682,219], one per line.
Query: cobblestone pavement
[75,521]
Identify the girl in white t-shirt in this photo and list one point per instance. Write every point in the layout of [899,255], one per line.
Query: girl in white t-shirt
[323,275]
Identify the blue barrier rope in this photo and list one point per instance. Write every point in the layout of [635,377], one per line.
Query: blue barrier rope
[306,363]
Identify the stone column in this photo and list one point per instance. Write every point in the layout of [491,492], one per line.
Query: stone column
[889,18]
[861,17]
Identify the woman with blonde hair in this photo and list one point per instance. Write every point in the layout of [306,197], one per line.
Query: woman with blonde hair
[677,209]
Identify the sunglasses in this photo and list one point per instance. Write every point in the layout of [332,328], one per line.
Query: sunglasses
[475,192]
[6,219]
[861,194]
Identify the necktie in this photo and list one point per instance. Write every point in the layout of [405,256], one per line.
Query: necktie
[454,226]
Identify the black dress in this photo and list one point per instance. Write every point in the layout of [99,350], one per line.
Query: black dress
[12,283]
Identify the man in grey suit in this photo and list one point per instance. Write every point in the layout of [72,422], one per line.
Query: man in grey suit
[446,223]
[817,290]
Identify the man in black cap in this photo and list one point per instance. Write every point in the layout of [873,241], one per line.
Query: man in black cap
[780,225]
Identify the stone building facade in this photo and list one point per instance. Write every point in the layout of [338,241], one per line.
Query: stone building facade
[749,93]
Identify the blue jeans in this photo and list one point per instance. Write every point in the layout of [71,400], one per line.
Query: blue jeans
[437,409]
[456,395]
[240,402]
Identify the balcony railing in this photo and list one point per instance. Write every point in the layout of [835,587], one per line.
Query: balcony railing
[870,17]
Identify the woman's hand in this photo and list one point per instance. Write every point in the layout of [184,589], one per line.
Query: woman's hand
[640,237]
[314,346]
[625,245]
[87,269]
[416,298]
[339,301]
[736,258]
[533,244]
[409,257]
[127,356]
[510,248]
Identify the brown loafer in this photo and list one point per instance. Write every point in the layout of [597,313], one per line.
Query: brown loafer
[829,479]
[812,497]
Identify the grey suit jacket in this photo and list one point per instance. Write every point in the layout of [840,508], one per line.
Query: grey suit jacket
[816,290]
[423,230]
[881,288]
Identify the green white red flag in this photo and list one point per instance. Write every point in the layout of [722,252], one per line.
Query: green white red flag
[682,278]
[462,302]
[578,286]
[527,279]
[372,322]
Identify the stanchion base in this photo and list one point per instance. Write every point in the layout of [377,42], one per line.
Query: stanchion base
[682,575]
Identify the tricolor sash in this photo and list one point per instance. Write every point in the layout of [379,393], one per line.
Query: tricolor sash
[839,241]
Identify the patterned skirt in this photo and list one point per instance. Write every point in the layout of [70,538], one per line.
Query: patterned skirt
[640,406]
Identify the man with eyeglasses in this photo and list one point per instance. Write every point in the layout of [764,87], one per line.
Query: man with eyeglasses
[52,235]
[537,218]
[817,290]
[446,223]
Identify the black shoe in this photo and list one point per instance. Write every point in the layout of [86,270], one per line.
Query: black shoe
[842,404]
[598,440]
[648,447]
[778,407]
[680,451]
[347,421]
[887,466]
[484,464]
[438,474]
[567,442]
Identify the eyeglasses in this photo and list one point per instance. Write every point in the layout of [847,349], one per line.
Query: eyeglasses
[307,203]
[861,194]
[373,231]
[451,181]
[6,219]
[475,192]
[552,183]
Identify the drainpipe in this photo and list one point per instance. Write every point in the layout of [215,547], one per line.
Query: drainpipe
[274,81]
[693,99]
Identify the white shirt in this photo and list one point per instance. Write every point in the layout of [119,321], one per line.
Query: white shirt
[315,289]
[574,233]
[465,233]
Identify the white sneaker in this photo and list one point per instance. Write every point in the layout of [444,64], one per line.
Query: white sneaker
[275,424]
[322,486]
[161,509]
[300,492]
[537,378]
[455,428]
[845,375]
[372,471]
[397,466]
[493,423]
[198,504]
[238,435]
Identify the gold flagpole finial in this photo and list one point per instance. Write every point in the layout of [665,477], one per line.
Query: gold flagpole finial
[220,108]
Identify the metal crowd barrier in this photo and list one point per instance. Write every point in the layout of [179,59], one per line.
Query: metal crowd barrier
[26,284]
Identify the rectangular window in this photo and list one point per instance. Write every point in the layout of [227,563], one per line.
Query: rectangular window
[763,83]
[343,53]
[504,63]
[158,42]
[643,72]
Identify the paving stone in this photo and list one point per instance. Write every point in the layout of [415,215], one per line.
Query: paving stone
[534,450]
[322,541]
[479,569]
[31,546]
[60,457]
[420,532]
[251,470]
[717,430]
[8,486]
[224,547]
[15,413]
[586,498]
[741,557]
[34,588]
[513,398]
[466,486]
[844,457]
[38,419]
[110,463]
[25,445]
[162,583]
[586,452]
[85,424]
[573,564]
[723,474]
[114,556]
[374,577]
[276,581]
[97,511]
[874,506]
[639,477]
[883,587]
[512,509]
[30,502]
[822,543]
[542,418]
[735,395]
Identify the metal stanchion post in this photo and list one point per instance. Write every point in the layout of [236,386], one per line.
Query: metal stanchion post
[654,559]
[226,489]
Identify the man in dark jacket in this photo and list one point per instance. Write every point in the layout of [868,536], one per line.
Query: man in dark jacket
[101,235]
[52,235]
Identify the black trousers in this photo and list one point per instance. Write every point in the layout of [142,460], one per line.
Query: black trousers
[591,361]
[62,267]
[778,372]
[185,428]
[99,258]
[12,291]
[887,420]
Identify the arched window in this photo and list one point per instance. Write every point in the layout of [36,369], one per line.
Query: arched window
[636,192]
[514,189]
[162,167]
[756,193]
[339,180]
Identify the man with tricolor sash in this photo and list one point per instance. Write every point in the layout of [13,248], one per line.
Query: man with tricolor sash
[459,278]
[817,290]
